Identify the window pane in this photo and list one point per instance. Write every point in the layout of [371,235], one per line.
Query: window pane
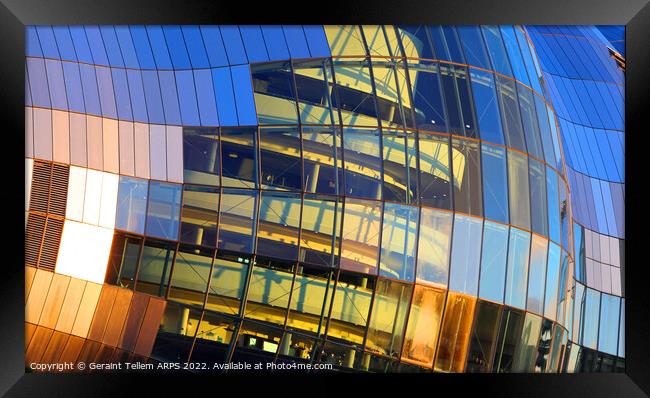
[400,167]
[190,276]
[279,220]
[537,275]
[355,99]
[427,101]
[398,241]
[201,156]
[495,183]
[512,323]
[484,336]
[519,190]
[275,98]
[310,299]
[455,333]
[455,88]
[237,220]
[467,177]
[538,210]
[227,284]
[362,163]
[268,292]
[544,346]
[322,160]
[155,267]
[163,211]
[280,158]
[474,49]
[320,237]
[513,130]
[360,237]
[345,40]
[487,107]
[199,215]
[131,204]
[434,171]
[388,87]
[239,168]
[257,343]
[465,254]
[213,336]
[590,326]
[517,275]
[553,200]
[350,307]
[314,82]
[123,262]
[529,118]
[433,247]
[387,322]
[493,261]
[176,333]
[421,335]
[496,49]
[552,276]
[526,351]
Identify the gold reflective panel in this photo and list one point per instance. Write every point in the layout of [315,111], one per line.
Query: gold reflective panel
[190,275]
[356,99]
[360,236]
[310,298]
[320,237]
[421,336]
[275,98]
[455,333]
[314,84]
[388,316]
[322,160]
[350,307]
[227,284]
[268,293]
[345,40]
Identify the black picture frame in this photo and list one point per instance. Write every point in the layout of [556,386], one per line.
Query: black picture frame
[635,14]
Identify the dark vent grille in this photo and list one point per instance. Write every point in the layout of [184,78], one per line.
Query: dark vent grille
[33,237]
[59,189]
[51,242]
[38,199]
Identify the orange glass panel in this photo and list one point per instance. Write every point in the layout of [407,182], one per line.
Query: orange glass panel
[30,273]
[421,337]
[103,311]
[86,309]
[37,296]
[70,305]
[38,344]
[72,349]
[118,317]
[149,327]
[55,347]
[55,296]
[455,333]
[133,321]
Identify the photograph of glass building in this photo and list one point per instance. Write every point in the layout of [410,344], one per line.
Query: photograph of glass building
[374,198]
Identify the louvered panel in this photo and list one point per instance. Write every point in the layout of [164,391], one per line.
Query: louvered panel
[59,189]
[40,186]
[33,235]
[51,242]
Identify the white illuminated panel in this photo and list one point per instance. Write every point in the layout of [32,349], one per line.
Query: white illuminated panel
[93,197]
[108,205]
[84,251]
[74,209]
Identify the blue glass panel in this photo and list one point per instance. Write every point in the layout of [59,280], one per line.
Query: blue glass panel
[254,43]
[453,45]
[56,84]
[127,48]
[621,331]
[528,61]
[28,90]
[473,46]
[169,97]
[96,44]
[159,47]
[579,248]
[552,281]
[176,47]
[544,130]
[496,50]
[64,42]
[38,82]
[142,47]
[214,46]
[195,47]
[32,44]
[163,210]
[495,183]
[296,41]
[112,47]
[529,121]
[136,91]
[317,41]
[439,44]
[80,41]
[493,261]
[131,204]
[205,98]
[465,254]
[153,97]
[106,95]
[398,241]
[122,97]
[590,323]
[48,43]
[517,274]
[433,246]
[225,97]
[608,330]
[243,89]
[617,153]
[428,105]
[538,209]
[73,87]
[537,275]
[415,41]
[233,44]
[276,45]
[89,84]
[553,201]
[514,54]
[487,108]
[187,98]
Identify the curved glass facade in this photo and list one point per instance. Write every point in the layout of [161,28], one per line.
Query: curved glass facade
[377,198]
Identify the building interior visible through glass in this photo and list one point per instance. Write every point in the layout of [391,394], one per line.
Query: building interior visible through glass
[377,198]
